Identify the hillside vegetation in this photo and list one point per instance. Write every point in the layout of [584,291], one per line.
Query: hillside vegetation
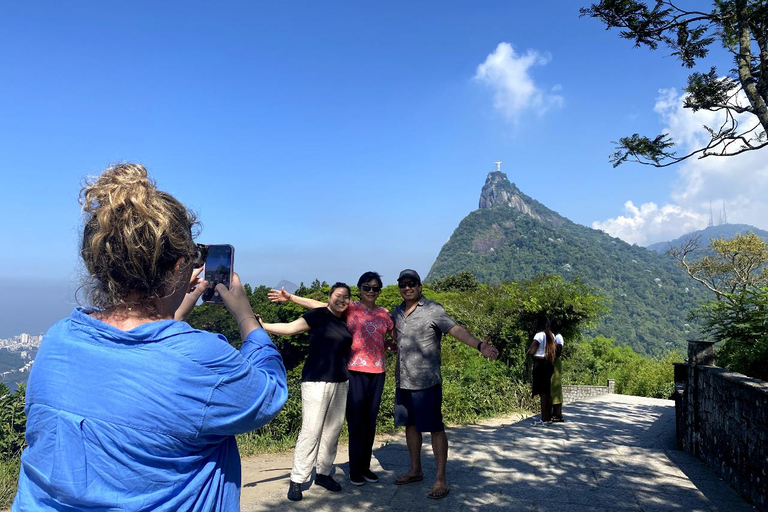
[650,296]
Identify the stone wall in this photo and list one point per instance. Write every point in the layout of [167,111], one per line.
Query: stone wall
[576,393]
[722,418]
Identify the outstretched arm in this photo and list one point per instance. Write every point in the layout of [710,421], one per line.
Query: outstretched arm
[465,337]
[295,327]
[282,295]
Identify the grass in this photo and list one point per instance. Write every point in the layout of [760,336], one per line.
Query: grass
[9,479]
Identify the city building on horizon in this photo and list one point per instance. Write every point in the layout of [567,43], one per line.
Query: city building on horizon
[22,341]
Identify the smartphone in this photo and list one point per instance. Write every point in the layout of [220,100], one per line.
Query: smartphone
[218,269]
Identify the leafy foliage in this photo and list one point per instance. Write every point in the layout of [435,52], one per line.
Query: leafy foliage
[594,361]
[12,422]
[735,270]
[511,312]
[740,26]
[733,266]
[464,281]
[741,325]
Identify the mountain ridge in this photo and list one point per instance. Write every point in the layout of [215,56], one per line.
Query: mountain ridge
[719,231]
[513,237]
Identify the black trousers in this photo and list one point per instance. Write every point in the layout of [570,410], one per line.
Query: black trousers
[363,403]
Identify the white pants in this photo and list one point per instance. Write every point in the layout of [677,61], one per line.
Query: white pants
[322,415]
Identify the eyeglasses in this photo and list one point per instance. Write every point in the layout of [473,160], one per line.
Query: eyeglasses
[408,284]
[368,288]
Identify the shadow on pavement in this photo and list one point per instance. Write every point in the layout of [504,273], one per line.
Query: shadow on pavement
[612,453]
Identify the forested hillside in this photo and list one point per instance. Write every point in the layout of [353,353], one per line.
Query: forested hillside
[513,237]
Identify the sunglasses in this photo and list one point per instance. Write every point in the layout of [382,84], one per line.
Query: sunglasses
[368,288]
[408,284]
[200,255]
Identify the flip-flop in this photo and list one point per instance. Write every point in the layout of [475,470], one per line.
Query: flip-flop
[402,479]
[438,492]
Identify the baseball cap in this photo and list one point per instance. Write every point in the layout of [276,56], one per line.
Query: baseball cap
[409,274]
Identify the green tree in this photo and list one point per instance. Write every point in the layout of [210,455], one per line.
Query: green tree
[741,26]
[464,281]
[509,313]
[736,272]
[741,325]
[733,267]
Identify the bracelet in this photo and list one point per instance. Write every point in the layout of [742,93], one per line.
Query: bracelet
[479,347]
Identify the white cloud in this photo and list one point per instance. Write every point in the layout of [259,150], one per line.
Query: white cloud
[738,182]
[508,74]
[650,223]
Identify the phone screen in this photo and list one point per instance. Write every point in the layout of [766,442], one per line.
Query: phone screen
[218,269]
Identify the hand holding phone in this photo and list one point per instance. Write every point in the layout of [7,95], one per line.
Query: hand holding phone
[218,269]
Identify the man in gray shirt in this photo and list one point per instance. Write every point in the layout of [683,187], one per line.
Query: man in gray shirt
[420,324]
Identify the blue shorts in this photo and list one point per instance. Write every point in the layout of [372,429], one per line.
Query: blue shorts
[422,408]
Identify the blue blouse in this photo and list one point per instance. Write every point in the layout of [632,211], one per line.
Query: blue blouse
[143,419]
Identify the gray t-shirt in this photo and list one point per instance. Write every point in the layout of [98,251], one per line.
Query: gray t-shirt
[418,342]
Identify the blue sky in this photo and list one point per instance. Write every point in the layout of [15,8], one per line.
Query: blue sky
[324,139]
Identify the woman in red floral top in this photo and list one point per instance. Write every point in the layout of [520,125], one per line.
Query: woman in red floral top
[369,324]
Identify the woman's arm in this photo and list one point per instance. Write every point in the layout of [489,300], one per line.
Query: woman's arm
[295,327]
[534,347]
[282,295]
[246,396]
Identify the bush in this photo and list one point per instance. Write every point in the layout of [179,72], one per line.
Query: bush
[594,361]
[12,428]
[741,326]
[12,422]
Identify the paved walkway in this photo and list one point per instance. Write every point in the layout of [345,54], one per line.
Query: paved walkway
[612,453]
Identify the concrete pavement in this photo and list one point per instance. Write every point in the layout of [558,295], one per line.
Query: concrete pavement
[613,452]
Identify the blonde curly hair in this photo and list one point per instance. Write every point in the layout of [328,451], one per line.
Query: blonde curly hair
[132,238]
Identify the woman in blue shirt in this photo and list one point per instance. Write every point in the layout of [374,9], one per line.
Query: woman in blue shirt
[128,406]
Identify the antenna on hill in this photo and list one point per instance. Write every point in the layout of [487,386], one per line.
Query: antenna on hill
[498,166]
[711,221]
[723,215]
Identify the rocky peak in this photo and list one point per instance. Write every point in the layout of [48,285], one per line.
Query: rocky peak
[498,191]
